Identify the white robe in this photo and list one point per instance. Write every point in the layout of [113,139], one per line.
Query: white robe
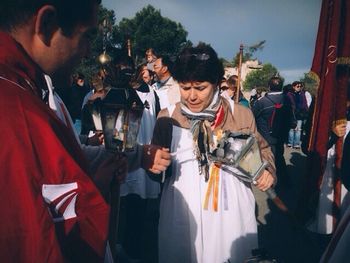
[188,232]
[323,222]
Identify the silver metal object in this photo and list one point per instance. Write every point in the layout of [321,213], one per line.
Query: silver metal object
[239,151]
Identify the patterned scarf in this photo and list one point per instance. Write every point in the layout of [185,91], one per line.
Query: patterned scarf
[200,126]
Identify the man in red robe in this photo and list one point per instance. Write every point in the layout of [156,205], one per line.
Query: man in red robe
[51,211]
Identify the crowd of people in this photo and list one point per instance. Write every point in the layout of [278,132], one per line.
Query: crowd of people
[177,202]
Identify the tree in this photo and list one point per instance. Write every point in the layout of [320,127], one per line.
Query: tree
[150,29]
[147,29]
[310,83]
[90,64]
[260,77]
[248,52]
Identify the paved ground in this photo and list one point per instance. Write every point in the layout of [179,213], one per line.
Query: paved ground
[282,238]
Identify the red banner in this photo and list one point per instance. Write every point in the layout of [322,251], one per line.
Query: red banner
[330,68]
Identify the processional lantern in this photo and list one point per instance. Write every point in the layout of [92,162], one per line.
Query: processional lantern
[239,154]
[240,151]
[119,115]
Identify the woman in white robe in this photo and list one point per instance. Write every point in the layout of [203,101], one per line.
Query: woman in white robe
[206,214]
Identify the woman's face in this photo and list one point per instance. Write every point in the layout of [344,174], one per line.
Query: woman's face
[197,95]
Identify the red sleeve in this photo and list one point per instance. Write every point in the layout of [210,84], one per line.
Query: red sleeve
[51,210]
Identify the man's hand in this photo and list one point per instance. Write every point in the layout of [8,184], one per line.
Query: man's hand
[265,181]
[340,129]
[155,158]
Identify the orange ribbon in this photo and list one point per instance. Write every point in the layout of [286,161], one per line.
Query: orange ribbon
[213,183]
[213,187]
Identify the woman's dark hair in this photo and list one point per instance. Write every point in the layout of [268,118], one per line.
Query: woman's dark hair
[15,13]
[199,63]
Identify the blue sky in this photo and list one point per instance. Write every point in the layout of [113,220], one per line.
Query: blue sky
[288,26]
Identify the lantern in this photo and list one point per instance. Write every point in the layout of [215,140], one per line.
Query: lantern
[119,115]
[239,153]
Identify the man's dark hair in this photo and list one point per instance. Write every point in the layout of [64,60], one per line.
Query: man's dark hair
[275,84]
[14,13]
[167,62]
[80,76]
[287,88]
[199,63]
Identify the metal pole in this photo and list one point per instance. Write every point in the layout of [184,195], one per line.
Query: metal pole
[114,217]
[129,47]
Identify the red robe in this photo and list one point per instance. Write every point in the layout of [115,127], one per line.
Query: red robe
[42,168]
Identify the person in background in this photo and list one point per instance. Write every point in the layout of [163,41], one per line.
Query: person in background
[230,93]
[79,90]
[338,248]
[322,223]
[166,87]
[223,85]
[139,194]
[206,213]
[151,57]
[255,94]
[97,85]
[265,113]
[300,108]
[324,205]
[287,88]
[308,96]
[148,76]
[87,124]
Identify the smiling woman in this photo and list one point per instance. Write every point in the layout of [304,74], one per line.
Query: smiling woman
[207,212]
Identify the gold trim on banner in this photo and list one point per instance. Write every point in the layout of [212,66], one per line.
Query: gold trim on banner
[315,77]
[343,61]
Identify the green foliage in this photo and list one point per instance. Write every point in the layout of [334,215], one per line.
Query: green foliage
[150,29]
[260,77]
[226,63]
[90,65]
[310,83]
[147,29]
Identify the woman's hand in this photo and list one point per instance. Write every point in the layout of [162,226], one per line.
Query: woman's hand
[265,181]
[155,158]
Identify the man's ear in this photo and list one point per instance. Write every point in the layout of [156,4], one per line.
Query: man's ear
[46,23]
[165,69]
